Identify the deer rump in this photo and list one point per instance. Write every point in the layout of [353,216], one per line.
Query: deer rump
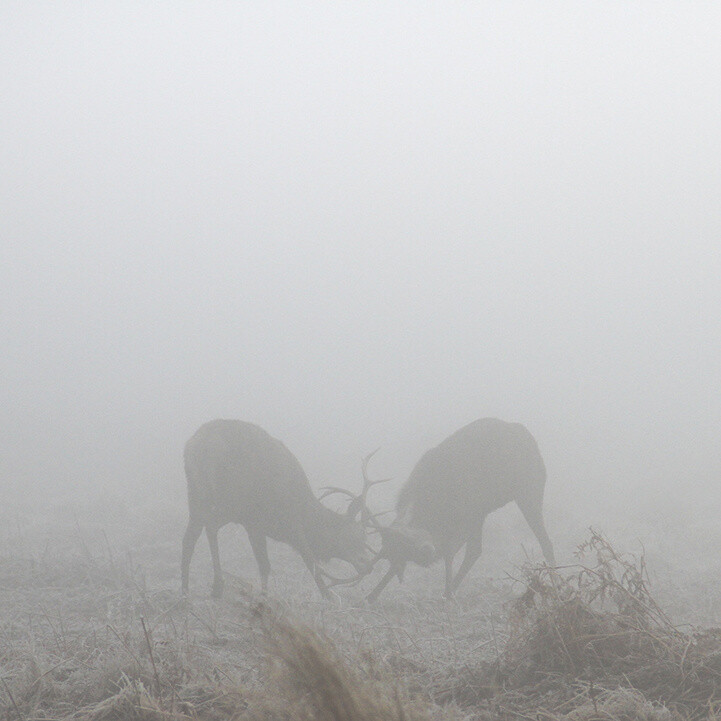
[238,473]
[453,487]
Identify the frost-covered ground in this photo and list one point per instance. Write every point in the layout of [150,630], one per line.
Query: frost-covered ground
[92,622]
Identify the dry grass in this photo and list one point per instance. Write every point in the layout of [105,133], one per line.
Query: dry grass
[83,635]
[311,680]
[90,630]
[589,642]
[131,676]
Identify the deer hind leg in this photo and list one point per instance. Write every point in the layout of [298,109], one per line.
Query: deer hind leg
[259,544]
[448,557]
[533,513]
[212,533]
[190,538]
[449,553]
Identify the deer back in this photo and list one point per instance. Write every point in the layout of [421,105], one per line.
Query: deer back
[239,473]
[479,468]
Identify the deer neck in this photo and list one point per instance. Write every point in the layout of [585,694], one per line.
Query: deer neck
[317,518]
[404,516]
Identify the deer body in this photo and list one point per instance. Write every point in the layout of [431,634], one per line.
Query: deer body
[238,473]
[453,487]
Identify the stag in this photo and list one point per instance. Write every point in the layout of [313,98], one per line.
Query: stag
[238,473]
[443,504]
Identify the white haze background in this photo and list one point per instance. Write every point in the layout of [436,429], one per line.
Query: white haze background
[361,225]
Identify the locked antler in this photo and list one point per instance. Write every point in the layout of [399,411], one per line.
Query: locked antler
[353,580]
[357,505]
[358,502]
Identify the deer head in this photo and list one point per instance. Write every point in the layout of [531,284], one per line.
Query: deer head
[400,542]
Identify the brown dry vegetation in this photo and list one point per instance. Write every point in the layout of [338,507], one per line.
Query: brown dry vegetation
[92,626]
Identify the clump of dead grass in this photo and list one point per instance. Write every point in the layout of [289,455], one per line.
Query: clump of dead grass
[589,642]
[310,680]
[594,618]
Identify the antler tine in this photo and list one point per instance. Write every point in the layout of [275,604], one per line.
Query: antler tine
[358,501]
[367,483]
[335,580]
[330,490]
[367,458]
[372,519]
[358,504]
[353,580]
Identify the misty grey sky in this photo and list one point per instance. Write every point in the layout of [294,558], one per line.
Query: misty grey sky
[361,224]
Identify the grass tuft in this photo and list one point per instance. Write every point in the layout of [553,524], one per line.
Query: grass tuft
[311,680]
[589,642]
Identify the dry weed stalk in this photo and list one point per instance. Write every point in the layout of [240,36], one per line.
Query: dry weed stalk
[589,617]
[596,624]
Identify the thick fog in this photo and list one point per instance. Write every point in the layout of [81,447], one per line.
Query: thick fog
[361,225]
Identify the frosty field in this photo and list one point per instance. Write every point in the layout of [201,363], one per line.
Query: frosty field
[92,625]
